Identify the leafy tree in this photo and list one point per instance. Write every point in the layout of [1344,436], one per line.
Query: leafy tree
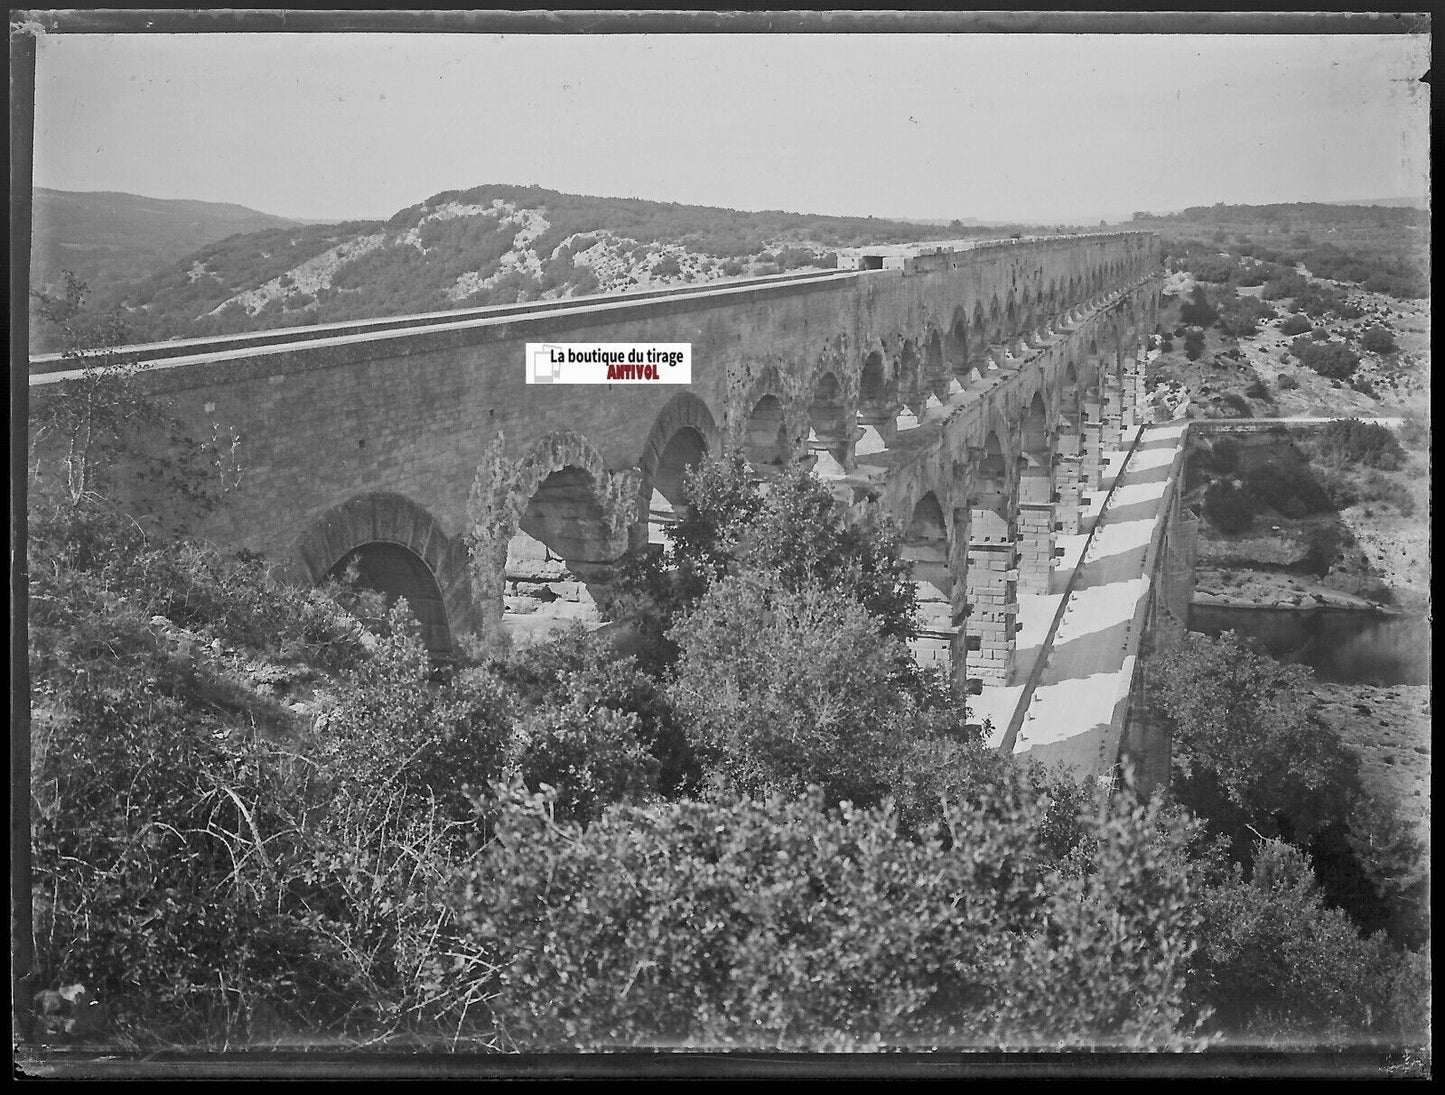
[778,689]
[1197,311]
[1277,965]
[89,413]
[578,672]
[593,755]
[792,532]
[1193,344]
[1245,748]
[1227,507]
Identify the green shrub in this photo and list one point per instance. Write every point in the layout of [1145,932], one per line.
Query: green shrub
[814,697]
[780,924]
[1244,747]
[1286,383]
[1197,311]
[1193,345]
[1224,454]
[1294,324]
[1227,507]
[593,755]
[196,865]
[1353,441]
[1331,359]
[1238,404]
[1278,965]
[1289,489]
[1378,340]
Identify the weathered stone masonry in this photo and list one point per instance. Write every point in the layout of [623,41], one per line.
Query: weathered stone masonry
[968,394]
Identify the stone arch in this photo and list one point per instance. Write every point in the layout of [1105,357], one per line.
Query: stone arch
[765,437]
[830,424]
[683,433]
[547,529]
[877,390]
[927,544]
[1028,317]
[991,506]
[1070,399]
[911,388]
[401,551]
[958,347]
[1035,431]
[979,335]
[1036,497]
[1011,320]
[935,366]
[991,574]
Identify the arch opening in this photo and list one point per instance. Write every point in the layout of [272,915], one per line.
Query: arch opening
[556,559]
[926,544]
[398,573]
[989,511]
[766,444]
[686,448]
[910,376]
[935,366]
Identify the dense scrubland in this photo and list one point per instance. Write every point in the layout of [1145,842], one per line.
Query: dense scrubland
[737,816]
[1383,249]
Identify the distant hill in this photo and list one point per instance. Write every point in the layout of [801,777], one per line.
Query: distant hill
[493,244]
[108,239]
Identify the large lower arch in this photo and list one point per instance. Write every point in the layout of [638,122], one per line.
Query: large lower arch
[548,526]
[400,550]
[683,433]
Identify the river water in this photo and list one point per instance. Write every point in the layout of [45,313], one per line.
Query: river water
[1340,645]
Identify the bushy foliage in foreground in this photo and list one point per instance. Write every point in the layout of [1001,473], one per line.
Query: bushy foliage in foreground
[779,923]
[779,690]
[220,862]
[205,873]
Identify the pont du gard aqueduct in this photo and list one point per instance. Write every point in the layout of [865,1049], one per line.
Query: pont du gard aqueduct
[986,398]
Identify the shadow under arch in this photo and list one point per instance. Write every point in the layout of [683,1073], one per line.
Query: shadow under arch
[401,550]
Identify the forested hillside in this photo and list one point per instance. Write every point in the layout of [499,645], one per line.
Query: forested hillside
[493,244]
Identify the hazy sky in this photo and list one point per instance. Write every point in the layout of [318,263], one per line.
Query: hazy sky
[1034,127]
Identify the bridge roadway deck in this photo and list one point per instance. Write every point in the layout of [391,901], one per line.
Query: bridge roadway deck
[1075,706]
